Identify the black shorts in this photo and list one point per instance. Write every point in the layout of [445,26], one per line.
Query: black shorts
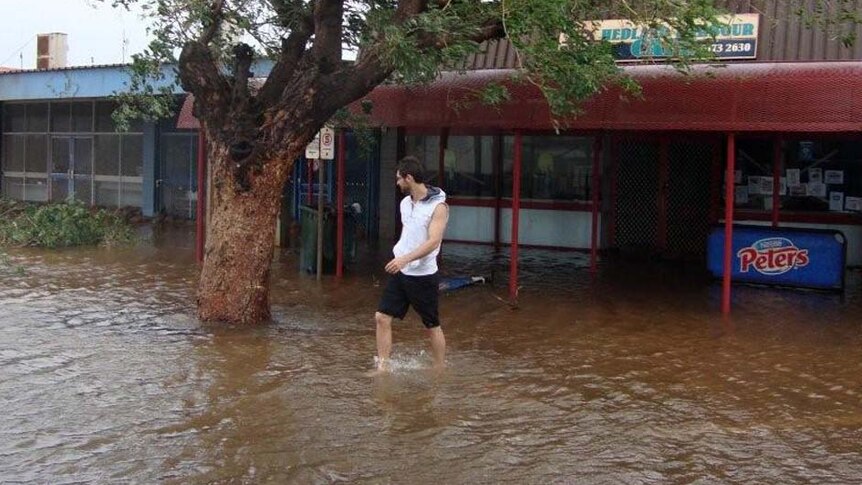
[404,291]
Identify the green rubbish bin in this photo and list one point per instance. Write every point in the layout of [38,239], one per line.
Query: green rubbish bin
[308,239]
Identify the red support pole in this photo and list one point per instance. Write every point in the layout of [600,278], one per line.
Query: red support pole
[516,207]
[596,187]
[200,235]
[776,180]
[441,158]
[339,183]
[728,224]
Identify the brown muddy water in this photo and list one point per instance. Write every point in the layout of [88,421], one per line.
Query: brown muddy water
[106,377]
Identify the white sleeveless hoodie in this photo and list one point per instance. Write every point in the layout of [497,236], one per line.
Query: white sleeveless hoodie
[415,219]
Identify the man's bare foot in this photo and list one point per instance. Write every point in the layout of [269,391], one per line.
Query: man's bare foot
[382,367]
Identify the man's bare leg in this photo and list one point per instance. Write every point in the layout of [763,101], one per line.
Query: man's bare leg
[438,346]
[384,340]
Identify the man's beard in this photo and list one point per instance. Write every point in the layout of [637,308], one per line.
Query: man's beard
[404,190]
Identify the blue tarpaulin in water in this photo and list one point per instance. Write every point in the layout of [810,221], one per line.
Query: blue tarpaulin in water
[455,282]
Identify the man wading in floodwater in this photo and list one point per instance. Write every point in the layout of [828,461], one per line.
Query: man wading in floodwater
[414,281]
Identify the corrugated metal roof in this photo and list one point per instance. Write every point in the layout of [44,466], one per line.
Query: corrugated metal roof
[766,97]
[783,37]
[68,68]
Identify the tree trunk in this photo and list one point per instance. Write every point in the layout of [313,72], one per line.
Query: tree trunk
[234,282]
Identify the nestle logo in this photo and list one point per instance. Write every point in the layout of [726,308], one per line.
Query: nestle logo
[772,256]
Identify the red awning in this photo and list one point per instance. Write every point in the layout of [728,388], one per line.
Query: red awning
[776,97]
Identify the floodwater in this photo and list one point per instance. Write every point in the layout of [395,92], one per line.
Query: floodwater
[631,377]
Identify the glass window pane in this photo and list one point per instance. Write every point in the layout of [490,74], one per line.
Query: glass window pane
[84,189]
[136,126]
[60,149]
[820,175]
[131,194]
[427,149]
[82,117]
[13,153]
[37,117]
[107,193]
[107,150]
[132,163]
[13,188]
[37,153]
[469,166]
[14,118]
[61,120]
[552,167]
[83,156]
[36,189]
[59,189]
[104,122]
[754,172]
[177,163]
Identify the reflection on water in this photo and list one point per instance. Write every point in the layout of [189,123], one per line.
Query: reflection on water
[629,377]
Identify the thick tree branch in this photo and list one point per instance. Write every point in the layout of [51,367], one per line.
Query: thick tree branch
[211,30]
[243,57]
[353,82]
[328,16]
[200,76]
[292,51]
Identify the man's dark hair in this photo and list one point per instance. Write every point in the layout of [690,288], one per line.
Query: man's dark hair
[411,165]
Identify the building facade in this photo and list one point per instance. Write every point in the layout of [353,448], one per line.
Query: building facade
[635,175]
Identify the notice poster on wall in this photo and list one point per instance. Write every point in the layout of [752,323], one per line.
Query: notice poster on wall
[853,204]
[737,176]
[834,177]
[793,177]
[766,185]
[753,185]
[782,187]
[815,175]
[800,190]
[817,189]
[836,201]
[741,196]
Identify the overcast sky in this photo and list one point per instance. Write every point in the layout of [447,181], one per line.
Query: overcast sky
[95,31]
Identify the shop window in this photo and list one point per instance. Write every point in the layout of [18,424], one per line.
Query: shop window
[104,120]
[468,166]
[131,194]
[13,153]
[13,188]
[61,117]
[37,154]
[753,174]
[132,150]
[37,117]
[107,155]
[107,192]
[552,167]
[82,117]
[14,118]
[821,176]
[427,149]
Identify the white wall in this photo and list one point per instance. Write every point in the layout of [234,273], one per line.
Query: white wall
[566,229]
